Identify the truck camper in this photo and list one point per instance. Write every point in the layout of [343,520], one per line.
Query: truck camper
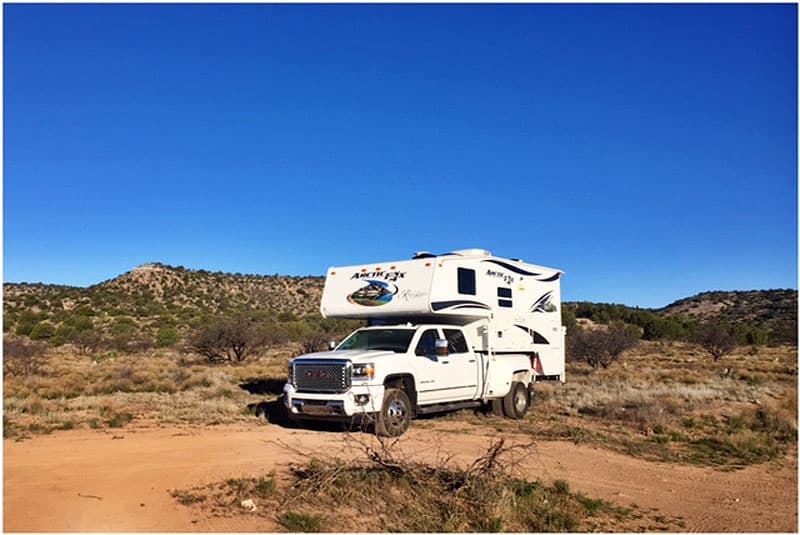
[444,332]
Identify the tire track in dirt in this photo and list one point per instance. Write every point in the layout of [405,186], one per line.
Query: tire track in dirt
[44,477]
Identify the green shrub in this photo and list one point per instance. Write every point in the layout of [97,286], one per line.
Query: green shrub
[301,522]
[167,336]
[119,419]
[560,486]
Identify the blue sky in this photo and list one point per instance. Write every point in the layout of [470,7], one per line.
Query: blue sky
[648,151]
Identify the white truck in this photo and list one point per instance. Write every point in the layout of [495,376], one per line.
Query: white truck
[444,332]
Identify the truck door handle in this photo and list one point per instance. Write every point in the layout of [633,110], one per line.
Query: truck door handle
[445,361]
[472,360]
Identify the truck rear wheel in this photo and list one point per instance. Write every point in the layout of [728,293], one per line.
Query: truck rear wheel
[395,414]
[517,401]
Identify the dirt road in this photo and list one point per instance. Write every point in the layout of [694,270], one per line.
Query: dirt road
[100,481]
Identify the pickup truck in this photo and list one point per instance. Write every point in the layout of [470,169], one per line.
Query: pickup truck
[389,374]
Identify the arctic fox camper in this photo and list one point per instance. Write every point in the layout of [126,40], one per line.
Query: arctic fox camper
[443,332]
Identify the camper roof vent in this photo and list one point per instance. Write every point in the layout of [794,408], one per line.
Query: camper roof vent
[423,254]
[472,252]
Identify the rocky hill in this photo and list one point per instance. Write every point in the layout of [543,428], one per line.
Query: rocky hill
[774,311]
[154,296]
[759,315]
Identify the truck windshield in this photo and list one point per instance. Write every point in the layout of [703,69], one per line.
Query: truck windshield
[396,340]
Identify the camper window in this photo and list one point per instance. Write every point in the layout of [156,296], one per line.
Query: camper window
[456,343]
[539,339]
[504,292]
[466,281]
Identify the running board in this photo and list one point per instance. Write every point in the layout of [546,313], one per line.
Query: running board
[442,407]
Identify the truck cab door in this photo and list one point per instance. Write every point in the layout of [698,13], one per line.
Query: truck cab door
[442,378]
[464,365]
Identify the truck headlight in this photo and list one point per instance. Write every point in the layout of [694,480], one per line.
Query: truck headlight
[363,371]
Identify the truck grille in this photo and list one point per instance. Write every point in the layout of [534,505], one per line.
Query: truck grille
[321,376]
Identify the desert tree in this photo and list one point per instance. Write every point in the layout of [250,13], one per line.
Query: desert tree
[601,346]
[320,332]
[717,338]
[88,341]
[22,357]
[231,339]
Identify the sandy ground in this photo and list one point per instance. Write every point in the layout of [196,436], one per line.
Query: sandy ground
[101,481]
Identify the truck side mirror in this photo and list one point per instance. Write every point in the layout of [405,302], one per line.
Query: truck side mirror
[441,348]
[332,345]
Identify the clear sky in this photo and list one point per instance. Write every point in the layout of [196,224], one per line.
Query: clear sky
[649,151]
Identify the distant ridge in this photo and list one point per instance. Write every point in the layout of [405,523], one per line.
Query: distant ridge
[775,311]
[155,294]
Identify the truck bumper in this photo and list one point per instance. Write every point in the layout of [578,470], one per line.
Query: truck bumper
[359,400]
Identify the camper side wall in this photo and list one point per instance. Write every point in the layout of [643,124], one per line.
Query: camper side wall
[522,301]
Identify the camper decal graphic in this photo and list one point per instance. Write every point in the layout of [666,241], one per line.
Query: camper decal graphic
[554,277]
[375,293]
[390,276]
[453,305]
[543,304]
[512,268]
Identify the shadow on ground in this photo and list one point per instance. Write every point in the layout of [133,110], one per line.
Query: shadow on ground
[272,410]
[275,412]
[264,386]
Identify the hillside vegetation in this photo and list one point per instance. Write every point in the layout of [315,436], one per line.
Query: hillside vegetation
[758,316]
[156,304]
[774,311]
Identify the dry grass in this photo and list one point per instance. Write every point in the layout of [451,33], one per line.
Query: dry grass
[663,401]
[158,388]
[671,402]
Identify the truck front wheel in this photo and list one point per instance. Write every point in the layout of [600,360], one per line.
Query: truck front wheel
[517,401]
[395,414]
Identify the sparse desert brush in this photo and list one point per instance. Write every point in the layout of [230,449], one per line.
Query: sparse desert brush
[544,392]
[673,407]
[750,436]
[665,408]
[160,386]
[383,492]
[646,414]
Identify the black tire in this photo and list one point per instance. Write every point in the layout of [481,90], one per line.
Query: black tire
[497,407]
[517,401]
[395,414]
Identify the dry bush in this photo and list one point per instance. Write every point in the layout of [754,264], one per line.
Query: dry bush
[383,492]
[316,341]
[89,341]
[231,340]
[23,357]
[601,347]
